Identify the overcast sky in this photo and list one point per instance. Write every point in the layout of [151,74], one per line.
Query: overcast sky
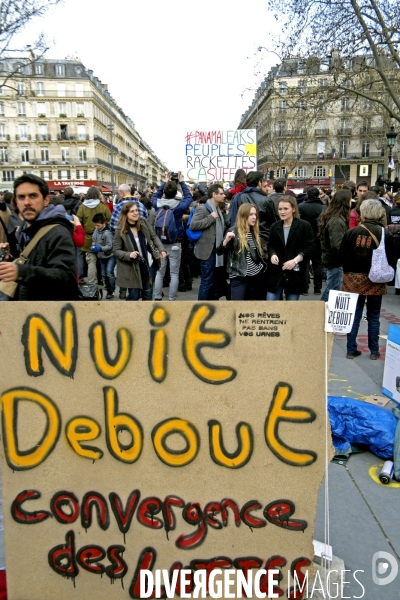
[171,66]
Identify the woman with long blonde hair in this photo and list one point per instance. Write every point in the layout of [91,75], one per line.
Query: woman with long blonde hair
[245,264]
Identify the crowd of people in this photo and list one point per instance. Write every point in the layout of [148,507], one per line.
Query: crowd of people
[251,239]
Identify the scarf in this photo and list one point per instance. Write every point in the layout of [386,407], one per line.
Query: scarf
[143,264]
[219,233]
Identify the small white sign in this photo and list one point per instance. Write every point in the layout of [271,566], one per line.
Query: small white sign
[340,311]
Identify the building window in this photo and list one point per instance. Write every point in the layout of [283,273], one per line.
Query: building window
[46,175]
[64,174]
[24,155]
[301,86]
[44,155]
[3,135]
[39,70]
[300,172]
[81,132]
[365,149]
[367,104]
[281,172]
[61,90]
[8,176]
[23,132]
[1,109]
[319,172]
[299,146]
[65,154]
[80,109]
[281,127]
[366,126]
[21,108]
[345,104]
[282,106]
[4,154]
[62,109]
[283,88]
[300,106]
[79,89]
[39,88]
[60,70]
[343,148]
[321,147]
[43,135]
[63,135]
[82,155]
[41,109]
[20,88]
[81,174]
[323,83]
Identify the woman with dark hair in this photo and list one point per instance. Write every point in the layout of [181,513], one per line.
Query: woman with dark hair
[136,248]
[333,225]
[290,245]
[356,257]
[355,217]
[245,265]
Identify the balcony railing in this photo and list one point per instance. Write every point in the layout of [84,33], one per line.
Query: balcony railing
[4,138]
[344,131]
[322,132]
[65,136]
[371,131]
[23,138]
[42,137]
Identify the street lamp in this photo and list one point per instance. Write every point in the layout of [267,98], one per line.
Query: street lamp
[391,140]
[110,128]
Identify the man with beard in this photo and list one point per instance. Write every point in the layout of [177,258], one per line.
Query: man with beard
[50,271]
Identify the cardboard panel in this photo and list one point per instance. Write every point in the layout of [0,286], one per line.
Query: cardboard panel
[153,435]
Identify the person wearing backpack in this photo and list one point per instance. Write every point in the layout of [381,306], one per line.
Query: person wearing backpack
[168,226]
[311,210]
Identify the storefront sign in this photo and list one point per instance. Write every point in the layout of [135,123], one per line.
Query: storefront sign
[61,184]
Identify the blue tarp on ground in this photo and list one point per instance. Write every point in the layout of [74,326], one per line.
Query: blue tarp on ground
[358,423]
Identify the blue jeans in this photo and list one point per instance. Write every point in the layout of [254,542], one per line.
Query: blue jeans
[174,253]
[373,311]
[207,273]
[147,288]
[278,295]
[333,281]
[107,266]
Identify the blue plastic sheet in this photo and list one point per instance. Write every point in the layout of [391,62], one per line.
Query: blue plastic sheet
[359,423]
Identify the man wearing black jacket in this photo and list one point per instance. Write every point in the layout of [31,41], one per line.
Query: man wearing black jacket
[311,211]
[50,272]
[253,194]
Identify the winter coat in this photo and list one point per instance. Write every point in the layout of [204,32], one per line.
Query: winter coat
[103,238]
[266,209]
[236,263]
[128,270]
[311,211]
[50,272]
[355,254]
[71,204]
[5,217]
[301,240]
[331,239]
[276,197]
[204,221]
[85,214]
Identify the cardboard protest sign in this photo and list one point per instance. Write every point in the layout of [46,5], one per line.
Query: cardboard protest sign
[158,436]
[216,155]
[340,311]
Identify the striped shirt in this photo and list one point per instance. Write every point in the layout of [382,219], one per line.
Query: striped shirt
[252,267]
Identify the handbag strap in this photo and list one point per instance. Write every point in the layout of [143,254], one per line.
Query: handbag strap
[23,257]
[372,235]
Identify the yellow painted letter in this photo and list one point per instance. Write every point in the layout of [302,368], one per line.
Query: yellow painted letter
[83,429]
[296,414]
[28,459]
[117,423]
[232,460]
[196,337]
[37,333]
[158,352]
[176,458]
[108,367]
